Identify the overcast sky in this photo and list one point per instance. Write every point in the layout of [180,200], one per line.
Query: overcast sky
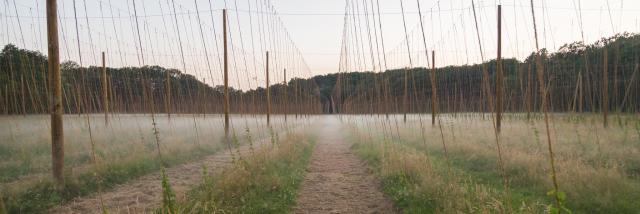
[315,27]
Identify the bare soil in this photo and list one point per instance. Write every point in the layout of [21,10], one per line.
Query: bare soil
[337,181]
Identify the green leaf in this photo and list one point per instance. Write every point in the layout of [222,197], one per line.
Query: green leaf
[562,196]
[551,193]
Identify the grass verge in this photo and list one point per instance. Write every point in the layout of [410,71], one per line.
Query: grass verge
[595,166]
[265,182]
[418,183]
[42,196]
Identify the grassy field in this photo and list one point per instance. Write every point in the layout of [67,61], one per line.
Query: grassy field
[125,149]
[265,182]
[598,168]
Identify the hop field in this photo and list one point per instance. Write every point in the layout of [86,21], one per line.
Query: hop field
[125,149]
[597,168]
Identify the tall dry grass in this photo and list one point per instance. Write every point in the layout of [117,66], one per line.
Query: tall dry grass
[418,185]
[125,148]
[265,182]
[597,168]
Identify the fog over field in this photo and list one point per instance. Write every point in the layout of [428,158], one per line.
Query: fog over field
[333,106]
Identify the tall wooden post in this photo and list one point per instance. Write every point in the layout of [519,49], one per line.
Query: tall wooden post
[105,96]
[434,94]
[499,73]
[605,88]
[296,96]
[581,95]
[285,101]
[405,98]
[23,101]
[268,92]
[57,131]
[167,102]
[226,79]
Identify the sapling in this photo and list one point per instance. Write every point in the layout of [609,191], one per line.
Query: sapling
[560,206]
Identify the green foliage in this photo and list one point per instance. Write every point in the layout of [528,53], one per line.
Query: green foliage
[21,65]
[398,187]
[39,198]
[168,196]
[561,70]
[560,207]
[416,189]
[596,181]
[264,183]
[249,140]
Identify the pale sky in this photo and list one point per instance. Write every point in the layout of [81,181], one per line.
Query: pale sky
[314,27]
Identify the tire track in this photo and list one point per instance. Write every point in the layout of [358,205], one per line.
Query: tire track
[144,194]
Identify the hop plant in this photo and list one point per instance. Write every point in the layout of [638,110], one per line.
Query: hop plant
[249,139]
[560,207]
[168,196]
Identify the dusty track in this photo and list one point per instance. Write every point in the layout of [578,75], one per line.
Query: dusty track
[337,181]
[144,194]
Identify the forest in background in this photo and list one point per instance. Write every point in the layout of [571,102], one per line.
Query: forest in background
[574,77]
[23,77]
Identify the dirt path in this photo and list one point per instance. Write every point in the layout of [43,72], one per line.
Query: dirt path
[144,194]
[337,181]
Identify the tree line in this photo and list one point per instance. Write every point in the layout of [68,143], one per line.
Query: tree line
[574,76]
[23,77]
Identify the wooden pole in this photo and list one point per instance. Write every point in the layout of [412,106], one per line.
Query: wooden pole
[543,108]
[284,106]
[295,95]
[167,102]
[114,104]
[529,93]
[22,96]
[405,98]
[268,92]
[581,93]
[105,96]
[499,73]
[226,79]
[605,88]
[434,94]
[57,131]
[575,94]
[626,93]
